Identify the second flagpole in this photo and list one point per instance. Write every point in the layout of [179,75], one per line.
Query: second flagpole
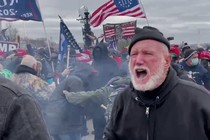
[144,11]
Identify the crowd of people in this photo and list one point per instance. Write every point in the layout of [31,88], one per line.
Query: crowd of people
[153,90]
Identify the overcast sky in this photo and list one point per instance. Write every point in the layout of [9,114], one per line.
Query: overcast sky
[185,20]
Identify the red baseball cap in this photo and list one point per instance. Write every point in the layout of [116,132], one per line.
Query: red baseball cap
[175,50]
[204,55]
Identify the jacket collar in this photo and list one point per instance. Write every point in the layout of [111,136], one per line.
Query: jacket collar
[25,69]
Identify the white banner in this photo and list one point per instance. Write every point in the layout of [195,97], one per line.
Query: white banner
[8,46]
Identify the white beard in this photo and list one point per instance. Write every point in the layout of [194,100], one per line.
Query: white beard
[154,80]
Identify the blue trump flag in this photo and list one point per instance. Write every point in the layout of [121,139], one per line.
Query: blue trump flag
[62,43]
[19,10]
[66,38]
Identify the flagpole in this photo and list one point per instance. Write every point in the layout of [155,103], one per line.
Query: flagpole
[199,35]
[68,56]
[48,44]
[144,11]
[0,25]
[25,34]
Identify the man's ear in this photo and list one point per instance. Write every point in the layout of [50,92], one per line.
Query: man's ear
[168,60]
[34,66]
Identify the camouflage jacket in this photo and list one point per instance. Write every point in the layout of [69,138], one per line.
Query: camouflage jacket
[36,87]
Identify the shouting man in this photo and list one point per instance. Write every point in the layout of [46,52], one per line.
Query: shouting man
[158,105]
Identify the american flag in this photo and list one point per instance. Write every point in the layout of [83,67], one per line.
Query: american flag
[120,30]
[128,30]
[109,32]
[116,8]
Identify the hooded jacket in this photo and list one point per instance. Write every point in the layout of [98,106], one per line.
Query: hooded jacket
[105,66]
[63,117]
[177,110]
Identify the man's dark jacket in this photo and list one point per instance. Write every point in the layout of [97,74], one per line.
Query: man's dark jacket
[199,74]
[63,117]
[106,67]
[20,118]
[180,111]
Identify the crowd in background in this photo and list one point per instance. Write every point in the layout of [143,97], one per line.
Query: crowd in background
[69,95]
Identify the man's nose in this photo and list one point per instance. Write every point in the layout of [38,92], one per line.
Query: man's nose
[139,59]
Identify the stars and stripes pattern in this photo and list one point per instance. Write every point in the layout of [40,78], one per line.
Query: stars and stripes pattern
[121,30]
[109,32]
[128,30]
[116,8]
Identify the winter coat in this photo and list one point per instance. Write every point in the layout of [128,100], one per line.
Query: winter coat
[198,73]
[20,117]
[63,117]
[36,87]
[86,73]
[181,73]
[177,110]
[106,67]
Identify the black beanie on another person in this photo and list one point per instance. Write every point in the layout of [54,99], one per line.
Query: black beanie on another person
[189,53]
[148,32]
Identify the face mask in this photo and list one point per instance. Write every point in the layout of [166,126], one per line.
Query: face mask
[194,62]
[174,57]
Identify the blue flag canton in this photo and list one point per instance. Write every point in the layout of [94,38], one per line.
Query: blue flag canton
[66,38]
[123,5]
[69,37]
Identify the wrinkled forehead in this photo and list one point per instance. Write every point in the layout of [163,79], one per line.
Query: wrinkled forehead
[150,45]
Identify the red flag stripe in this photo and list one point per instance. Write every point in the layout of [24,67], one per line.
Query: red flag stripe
[103,17]
[135,11]
[128,27]
[110,36]
[97,21]
[101,8]
[109,33]
[109,9]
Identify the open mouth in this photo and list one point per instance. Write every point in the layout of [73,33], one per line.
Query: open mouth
[141,73]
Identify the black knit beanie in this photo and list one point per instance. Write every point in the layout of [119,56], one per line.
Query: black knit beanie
[189,53]
[148,32]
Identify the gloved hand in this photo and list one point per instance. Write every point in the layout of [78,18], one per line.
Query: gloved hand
[113,80]
[118,81]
